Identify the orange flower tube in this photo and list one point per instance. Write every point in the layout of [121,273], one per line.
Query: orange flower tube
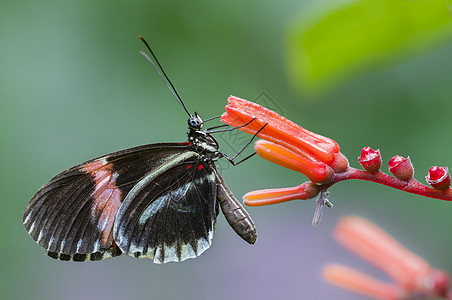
[361,283]
[413,277]
[304,191]
[373,244]
[317,172]
[279,130]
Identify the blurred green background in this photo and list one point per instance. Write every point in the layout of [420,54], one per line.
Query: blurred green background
[74,87]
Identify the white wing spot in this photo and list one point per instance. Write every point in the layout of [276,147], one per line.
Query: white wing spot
[79,245]
[62,244]
[32,226]
[40,236]
[28,217]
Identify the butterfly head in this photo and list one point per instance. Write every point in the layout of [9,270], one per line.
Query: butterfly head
[195,122]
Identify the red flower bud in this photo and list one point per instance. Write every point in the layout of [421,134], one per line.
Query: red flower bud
[438,177]
[370,159]
[401,167]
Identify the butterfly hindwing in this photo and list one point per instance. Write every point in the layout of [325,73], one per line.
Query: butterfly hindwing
[72,215]
[170,214]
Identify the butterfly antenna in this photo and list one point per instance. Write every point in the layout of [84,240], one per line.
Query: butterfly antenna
[164,77]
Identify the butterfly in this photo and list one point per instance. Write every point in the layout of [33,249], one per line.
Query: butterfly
[157,201]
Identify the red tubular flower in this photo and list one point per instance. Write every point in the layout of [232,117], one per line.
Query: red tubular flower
[317,172]
[280,130]
[438,178]
[412,275]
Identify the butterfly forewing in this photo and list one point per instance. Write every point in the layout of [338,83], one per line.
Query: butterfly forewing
[170,214]
[72,215]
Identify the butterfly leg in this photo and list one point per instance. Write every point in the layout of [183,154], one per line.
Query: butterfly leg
[231,159]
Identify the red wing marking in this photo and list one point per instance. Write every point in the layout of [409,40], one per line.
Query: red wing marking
[94,166]
[106,199]
[200,167]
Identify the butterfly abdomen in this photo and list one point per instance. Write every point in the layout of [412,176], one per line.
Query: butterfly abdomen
[237,217]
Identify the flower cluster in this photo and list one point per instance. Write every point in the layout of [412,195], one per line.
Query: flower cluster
[413,277]
[319,158]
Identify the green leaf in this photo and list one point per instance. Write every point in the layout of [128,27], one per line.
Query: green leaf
[327,45]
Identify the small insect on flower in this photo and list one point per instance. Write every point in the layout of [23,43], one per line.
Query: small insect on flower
[157,201]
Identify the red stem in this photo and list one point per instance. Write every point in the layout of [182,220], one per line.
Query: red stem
[410,186]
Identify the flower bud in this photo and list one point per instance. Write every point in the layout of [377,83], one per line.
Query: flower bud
[401,167]
[438,178]
[370,159]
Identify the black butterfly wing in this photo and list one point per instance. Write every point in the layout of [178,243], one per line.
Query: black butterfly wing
[170,214]
[72,215]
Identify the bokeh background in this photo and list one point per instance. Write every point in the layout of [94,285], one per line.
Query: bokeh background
[73,86]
